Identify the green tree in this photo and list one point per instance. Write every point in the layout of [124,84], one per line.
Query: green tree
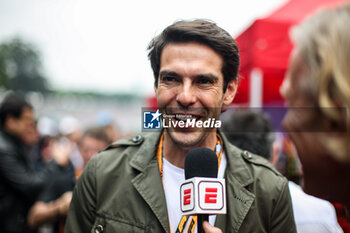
[20,67]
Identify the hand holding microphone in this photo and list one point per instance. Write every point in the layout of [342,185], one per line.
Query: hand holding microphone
[210,229]
[202,193]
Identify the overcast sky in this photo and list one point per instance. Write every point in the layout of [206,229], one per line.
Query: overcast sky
[101,45]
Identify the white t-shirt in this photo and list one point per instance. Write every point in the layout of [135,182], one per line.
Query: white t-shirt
[312,214]
[172,178]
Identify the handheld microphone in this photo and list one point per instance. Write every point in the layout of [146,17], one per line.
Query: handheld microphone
[202,193]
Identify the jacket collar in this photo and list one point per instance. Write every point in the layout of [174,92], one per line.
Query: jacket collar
[149,183]
[236,165]
[239,199]
[147,151]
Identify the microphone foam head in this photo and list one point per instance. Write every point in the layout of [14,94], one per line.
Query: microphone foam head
[201,162]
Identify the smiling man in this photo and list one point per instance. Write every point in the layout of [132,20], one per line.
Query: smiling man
[134,185]
[191,83]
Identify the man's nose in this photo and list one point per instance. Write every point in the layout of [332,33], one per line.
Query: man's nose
[186,95]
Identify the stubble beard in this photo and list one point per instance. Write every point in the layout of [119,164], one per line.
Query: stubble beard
[190,138]
[186,140]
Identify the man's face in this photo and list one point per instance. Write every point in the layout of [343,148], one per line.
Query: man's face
[190,82]
[304,125]
[22,127]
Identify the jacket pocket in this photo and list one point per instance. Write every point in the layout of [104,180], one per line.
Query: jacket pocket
[107,225]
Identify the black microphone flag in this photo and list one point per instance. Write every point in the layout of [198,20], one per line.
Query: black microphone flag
[202,192]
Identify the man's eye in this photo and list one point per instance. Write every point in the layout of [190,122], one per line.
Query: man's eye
[169,79]
[205,81]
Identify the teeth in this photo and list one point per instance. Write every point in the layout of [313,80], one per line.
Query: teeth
[184,117]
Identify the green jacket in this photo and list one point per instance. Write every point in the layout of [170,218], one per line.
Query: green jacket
[121,190]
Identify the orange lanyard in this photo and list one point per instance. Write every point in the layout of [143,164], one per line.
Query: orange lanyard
[219,149]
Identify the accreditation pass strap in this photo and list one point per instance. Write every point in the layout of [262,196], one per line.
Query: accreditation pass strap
[193,219]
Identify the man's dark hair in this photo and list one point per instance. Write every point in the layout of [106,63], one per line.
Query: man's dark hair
[250,131]
[203,32]
[13,105]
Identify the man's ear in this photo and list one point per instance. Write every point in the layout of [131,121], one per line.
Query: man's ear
[231,91]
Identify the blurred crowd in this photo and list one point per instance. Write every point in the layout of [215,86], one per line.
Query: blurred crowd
[41,159]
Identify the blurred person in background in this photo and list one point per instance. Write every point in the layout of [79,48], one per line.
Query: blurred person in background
[93,141]
[48,132]
[70,130]
[31,140]
[20,183]
[50,209]
[250,131]
[105,119]
[253,131]
[317,91]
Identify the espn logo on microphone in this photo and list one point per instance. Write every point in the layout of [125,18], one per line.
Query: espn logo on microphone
[201,195]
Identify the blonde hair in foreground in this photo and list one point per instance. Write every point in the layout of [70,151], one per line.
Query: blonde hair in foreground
[324,40]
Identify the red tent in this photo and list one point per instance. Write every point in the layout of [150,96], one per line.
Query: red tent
[265,48]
